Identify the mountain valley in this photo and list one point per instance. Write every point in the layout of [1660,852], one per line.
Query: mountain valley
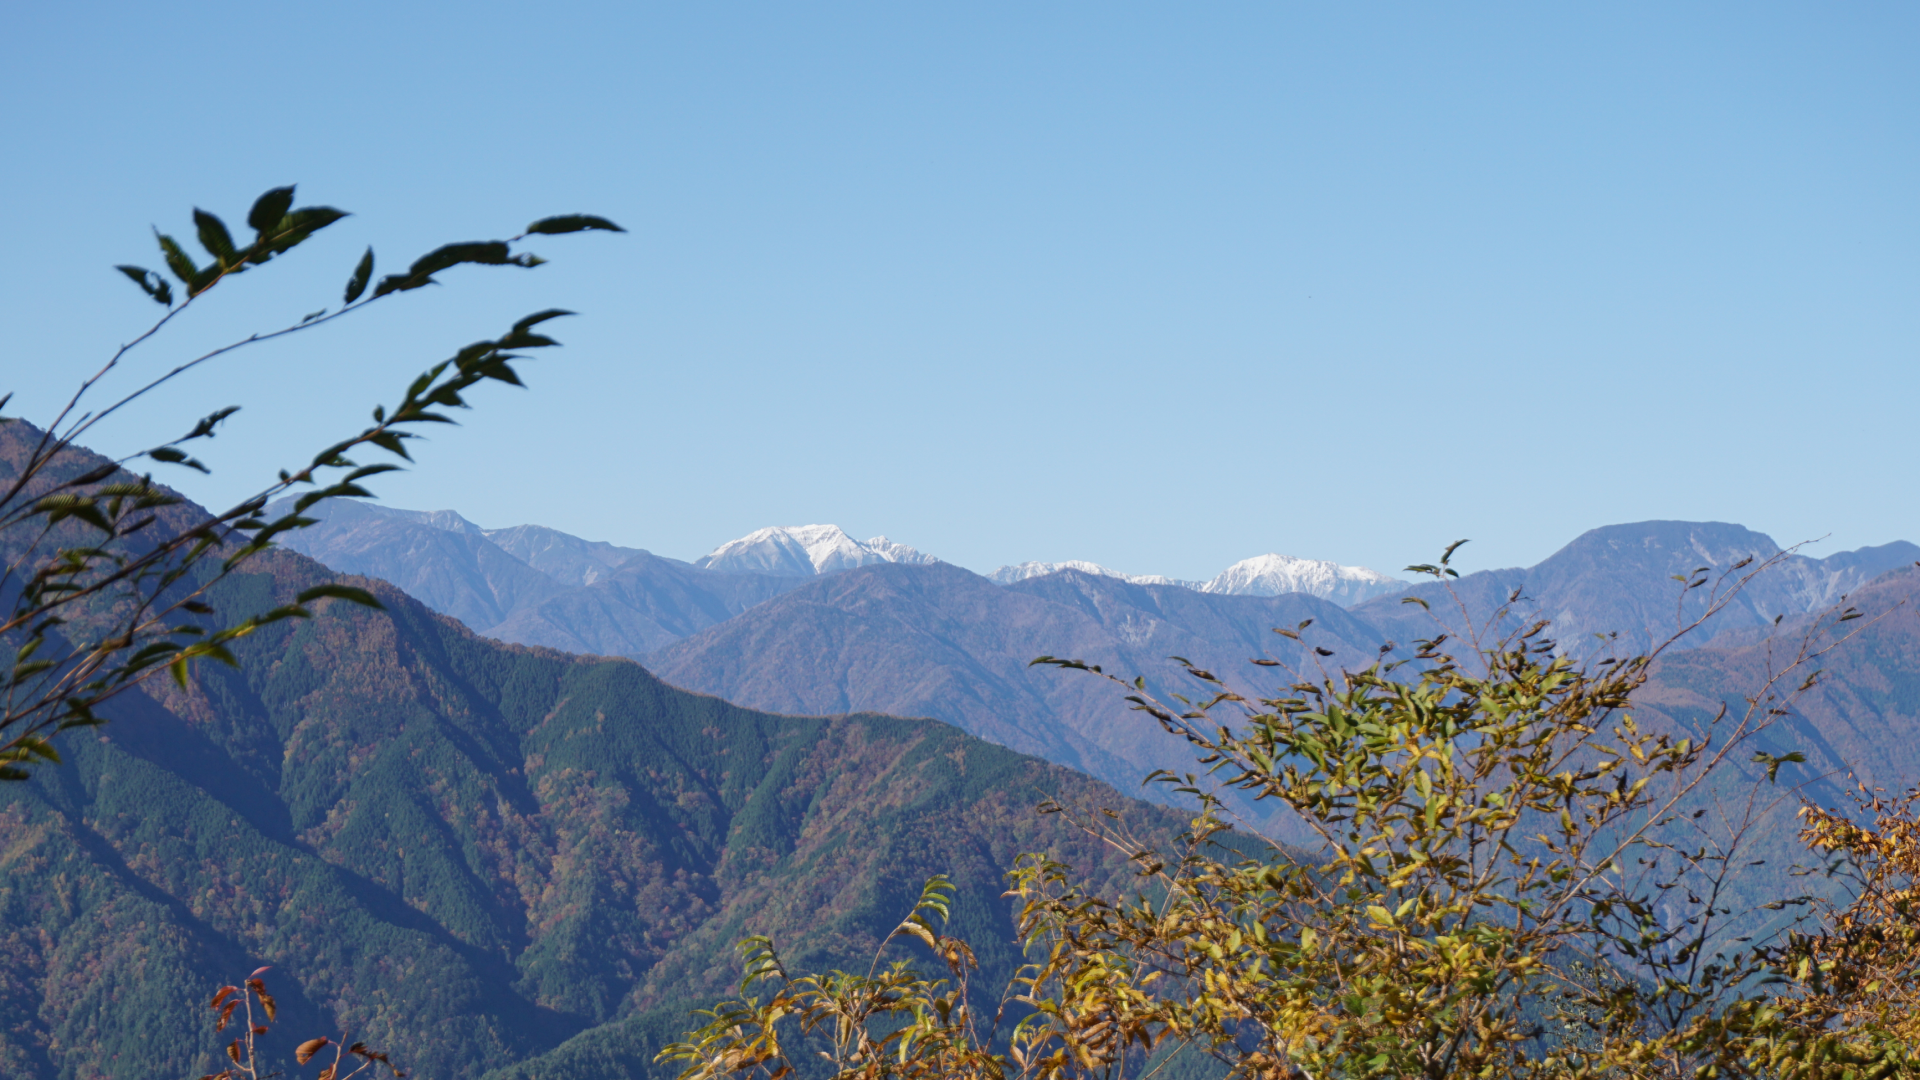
[527,859]
[492,860]
[809,621]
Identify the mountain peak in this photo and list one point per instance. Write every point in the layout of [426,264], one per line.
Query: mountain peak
[1262,575]
[805,551]
[1273,574]
[1007,575]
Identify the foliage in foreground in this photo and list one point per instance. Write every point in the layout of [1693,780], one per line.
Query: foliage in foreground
[1514,879]
[106,574]
[251,1010]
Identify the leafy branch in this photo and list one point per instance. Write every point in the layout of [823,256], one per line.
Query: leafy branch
[107,574]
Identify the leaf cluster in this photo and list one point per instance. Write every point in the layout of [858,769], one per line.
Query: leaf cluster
[106,574]
[238,1003]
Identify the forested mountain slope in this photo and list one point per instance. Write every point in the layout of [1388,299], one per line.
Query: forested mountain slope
[1858,723]
[933,639]
[470,853]
[944,642]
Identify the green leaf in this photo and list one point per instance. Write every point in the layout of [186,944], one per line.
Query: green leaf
[1773,763]
[93,475]
[500,371]
[28,747]
[363,273]
[567,223]
[177,260]
[391,441]
[311,219]
[204,429]
[337,491]
[280,614]
[486,252]
[174,457]
[154,285]
[341,592]
[536,319]
[298,225]
[268,209]
[214,236]
[397,283]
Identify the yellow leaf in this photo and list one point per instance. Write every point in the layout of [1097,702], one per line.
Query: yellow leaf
[916,930]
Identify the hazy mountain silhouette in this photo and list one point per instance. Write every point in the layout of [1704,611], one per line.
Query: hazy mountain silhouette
[529,584]
[1620,579]
[919,637]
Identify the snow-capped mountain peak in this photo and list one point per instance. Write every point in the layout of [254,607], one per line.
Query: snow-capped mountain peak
[1007,575]
[1262,575]
[1273,574]
[899,553]
[804,551]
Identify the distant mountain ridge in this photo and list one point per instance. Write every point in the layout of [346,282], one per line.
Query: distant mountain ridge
[1008,575]
[941,641]
[805,551]
[526,866]
[533,585]
[1619,580]
[1263,575]
[809,620]
[1274,574]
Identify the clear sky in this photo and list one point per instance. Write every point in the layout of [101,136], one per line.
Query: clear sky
[1161,286]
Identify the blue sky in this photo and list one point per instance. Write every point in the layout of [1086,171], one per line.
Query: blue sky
[1158,286]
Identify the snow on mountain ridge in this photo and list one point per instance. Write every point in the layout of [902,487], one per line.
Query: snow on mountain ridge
[1007,575]
[812,550]
[1274,574]
[805,551]
[1262,575]
[899,553]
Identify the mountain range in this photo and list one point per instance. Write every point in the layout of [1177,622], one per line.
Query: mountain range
[1262,575]
[810,621]
[491,860]
[591,596]
[940,641]
[501,860]
[806,551]
[1632,581]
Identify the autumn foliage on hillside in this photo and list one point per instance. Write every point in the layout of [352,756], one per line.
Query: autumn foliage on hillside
[1514,879]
